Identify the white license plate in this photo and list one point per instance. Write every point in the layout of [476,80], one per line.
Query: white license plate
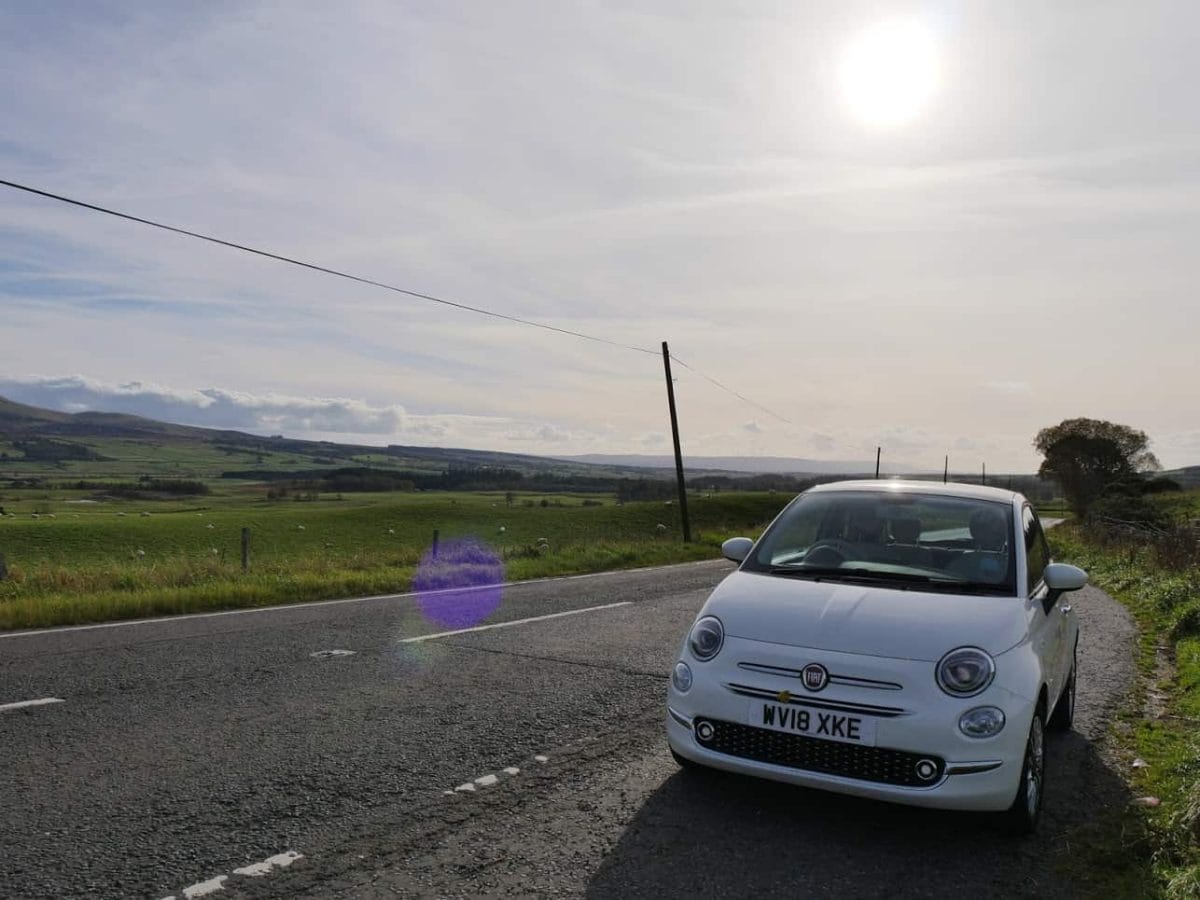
[810,722]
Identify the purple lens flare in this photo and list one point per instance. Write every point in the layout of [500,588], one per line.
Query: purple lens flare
[460,586]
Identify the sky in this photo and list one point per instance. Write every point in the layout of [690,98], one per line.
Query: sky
[1000,234]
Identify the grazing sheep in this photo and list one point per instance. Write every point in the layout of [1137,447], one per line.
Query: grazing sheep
[660,528]
[503,529]
[301,527]
[210,525]
[141,552]
[36,516]
[391,531]
[216,552]
[51,516]
[144,514]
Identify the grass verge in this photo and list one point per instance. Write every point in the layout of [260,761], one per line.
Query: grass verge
[1147,851]
[104,564]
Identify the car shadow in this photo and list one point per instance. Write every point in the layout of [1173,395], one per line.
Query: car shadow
[707,833]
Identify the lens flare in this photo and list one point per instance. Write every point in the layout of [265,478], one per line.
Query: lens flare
[461,585]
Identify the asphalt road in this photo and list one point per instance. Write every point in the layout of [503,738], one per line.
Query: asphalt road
[187,749]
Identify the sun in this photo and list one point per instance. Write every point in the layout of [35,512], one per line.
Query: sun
[889,72]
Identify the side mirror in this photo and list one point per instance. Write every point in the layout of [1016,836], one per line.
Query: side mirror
[737,549]
[1060,577]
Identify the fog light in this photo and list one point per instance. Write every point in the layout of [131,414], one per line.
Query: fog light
[926,770]
[704,731]
[981,722]
[681,677]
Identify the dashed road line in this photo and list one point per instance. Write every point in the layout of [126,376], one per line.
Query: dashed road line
[254,870]
[25,704]
[557,615]
[278,861]
[491,779]
[204,888]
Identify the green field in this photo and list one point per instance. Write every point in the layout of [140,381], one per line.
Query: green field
[72,558]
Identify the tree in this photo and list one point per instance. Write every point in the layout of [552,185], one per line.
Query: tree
[1089,456]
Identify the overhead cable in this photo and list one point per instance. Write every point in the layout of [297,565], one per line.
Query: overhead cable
[379,284]
[317,268]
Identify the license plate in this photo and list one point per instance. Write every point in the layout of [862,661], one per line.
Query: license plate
[810,722]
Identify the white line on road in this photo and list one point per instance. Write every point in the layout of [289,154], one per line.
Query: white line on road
[557,615]
[44,701]
[316,604]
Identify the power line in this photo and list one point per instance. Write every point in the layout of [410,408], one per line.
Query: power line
[380,284]
[324,269]
[730,390]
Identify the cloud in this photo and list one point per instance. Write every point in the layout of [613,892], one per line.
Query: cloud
[823,443]
[207,407]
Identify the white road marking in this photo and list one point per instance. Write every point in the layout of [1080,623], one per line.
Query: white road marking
[319,603]
[542,759]
[486,780]
[327,654]
[469,787]
[206,887]
[44,701]
[557,615]
[279,860]
[512,770]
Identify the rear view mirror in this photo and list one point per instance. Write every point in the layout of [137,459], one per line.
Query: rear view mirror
[736,549]
[1061,577]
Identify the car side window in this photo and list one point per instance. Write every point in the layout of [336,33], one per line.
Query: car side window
[1037,553]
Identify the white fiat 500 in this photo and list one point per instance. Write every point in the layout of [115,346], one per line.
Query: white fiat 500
[905,641]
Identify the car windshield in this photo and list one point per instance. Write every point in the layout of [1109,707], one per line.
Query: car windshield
[904,539]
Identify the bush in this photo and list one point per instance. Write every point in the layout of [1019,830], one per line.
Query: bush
[1125,507]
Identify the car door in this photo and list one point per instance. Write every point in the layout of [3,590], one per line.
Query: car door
[1053,639]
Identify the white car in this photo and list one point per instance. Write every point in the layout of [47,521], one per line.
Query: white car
[901,640]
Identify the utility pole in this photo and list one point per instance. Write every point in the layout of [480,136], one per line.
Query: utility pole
[946,471]
[878,452]
[984,474]
[683,510]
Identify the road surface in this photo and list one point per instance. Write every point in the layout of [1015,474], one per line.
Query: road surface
[235,755]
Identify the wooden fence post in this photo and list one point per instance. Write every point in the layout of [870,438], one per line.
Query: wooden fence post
[245,549]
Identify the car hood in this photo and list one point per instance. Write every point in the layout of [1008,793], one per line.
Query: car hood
[856,618]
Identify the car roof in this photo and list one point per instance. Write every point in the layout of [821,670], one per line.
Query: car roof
[952,489]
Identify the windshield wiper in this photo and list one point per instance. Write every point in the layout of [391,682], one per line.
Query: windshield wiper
[850,573]
[840,573]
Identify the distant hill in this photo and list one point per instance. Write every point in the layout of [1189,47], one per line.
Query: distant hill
[1188,477]
[35,441]
[783,465]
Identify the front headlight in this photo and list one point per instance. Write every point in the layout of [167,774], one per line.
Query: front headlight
[965,672]
[706,638]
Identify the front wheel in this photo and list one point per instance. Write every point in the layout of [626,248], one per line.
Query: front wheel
[1026,810]
[1064,710]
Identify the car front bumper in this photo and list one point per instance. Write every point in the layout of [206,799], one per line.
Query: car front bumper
[973,774]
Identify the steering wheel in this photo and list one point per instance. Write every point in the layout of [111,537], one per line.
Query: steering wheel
[825,553]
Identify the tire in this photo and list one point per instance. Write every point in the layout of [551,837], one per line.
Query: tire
[1064,710]
[1026,810]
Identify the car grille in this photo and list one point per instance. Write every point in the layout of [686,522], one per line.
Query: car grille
[796,751]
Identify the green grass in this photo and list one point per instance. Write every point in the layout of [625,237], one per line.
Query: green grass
[1150,851]
[88,562]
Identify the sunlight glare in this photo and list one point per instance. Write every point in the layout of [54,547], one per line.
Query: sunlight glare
[889,72]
